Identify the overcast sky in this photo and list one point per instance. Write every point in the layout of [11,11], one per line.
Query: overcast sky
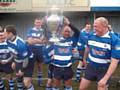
[105,3]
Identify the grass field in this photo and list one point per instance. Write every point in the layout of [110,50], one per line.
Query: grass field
[113,85]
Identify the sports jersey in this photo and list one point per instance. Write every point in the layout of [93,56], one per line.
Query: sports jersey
[20,49]
[82,41]
[83,38]
[5,54]
[48,52]
[103,48]
[36,33]
[63,52]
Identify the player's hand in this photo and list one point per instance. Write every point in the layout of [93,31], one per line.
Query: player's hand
[102,83]
[44,41]
[66,21]
[13,65]
[84,63]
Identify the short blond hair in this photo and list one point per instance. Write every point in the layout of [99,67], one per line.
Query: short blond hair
[103,21]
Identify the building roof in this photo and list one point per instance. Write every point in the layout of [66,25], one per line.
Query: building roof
[99,8]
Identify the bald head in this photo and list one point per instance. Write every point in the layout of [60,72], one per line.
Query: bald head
[101,26]
[67,32]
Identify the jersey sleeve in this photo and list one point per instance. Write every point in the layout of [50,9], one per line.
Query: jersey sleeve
[115,53]
[22,50]
[29,33]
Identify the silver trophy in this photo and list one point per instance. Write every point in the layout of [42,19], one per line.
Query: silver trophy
[54,23]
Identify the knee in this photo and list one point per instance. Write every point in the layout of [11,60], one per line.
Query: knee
[49,82]
[81,88]
[27,82]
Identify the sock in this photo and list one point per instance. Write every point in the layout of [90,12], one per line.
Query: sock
[20,83]
[11,84]
[48,88]
[31,87]
[78,72]
[55,89]
[68,88]
[2,87]
[39,77]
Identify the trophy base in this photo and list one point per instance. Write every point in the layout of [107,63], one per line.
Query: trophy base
[54,40]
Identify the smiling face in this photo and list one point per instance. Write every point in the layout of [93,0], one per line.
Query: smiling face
[66,32]
[10,32]
[88,27]
[100,26]
[38,23]
[8,35]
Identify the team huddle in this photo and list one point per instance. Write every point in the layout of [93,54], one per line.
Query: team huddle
[98,53]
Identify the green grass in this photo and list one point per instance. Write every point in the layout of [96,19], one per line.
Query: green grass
[113,84]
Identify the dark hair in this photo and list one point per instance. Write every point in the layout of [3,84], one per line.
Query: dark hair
[37,18]
[87,23]
[11,29]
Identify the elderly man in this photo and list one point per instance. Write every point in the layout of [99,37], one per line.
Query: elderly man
[102,52]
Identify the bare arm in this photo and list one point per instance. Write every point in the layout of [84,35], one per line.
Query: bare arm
[85,55]
[74,29]
[35,41]
[110,71]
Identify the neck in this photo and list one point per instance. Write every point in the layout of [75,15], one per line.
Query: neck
[103,33]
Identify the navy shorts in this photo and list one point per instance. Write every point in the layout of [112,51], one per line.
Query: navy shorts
[95,74]
[6,68]
[38,53]
[63,73]
[28,71]
[50,71]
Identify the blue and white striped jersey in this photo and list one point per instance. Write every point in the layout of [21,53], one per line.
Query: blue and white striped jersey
[48,52]
[63,52]
[103,48]
[36,33]
[83,39]
[82,42]
[20,49]
[5,53]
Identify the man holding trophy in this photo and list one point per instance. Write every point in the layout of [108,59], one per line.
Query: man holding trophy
[63,42]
